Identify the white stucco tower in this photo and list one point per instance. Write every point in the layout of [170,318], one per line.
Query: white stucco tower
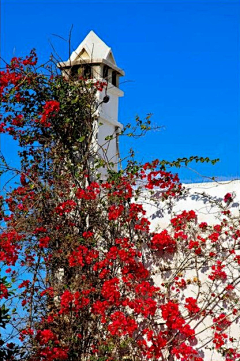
[94,59]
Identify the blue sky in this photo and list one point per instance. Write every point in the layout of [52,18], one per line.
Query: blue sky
[181,60]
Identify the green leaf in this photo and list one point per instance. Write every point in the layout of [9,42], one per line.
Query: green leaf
[81,139]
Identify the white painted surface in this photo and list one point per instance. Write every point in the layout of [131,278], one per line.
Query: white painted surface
[93,50]
[201,198]
[94,47]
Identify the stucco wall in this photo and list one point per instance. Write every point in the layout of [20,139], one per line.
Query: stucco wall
[201,198]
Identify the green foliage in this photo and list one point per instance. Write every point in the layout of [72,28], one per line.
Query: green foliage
[186,161]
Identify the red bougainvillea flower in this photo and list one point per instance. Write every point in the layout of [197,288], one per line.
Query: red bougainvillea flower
[180,221]
[50,109]
[163,242]
[191,305]
[44,336]
[3,292]
[121,325]
[228,198]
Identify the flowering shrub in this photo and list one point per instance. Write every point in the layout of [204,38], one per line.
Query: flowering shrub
[80,261]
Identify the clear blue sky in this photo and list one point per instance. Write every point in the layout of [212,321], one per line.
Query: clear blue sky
[181,59]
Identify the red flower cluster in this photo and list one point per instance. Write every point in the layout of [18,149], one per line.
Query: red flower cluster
[3,291]
[195,245]
[218,273]
[186,353]
[90,193]
[87,234]
[228,198]
[49,291]
[18,121]
[214,237]
[44,336]
[9,247]
[180,222]
[114,212]
[99,85]
[170,313]
[163,242]
[53,353]
[24,284]
[163,180]
[219,339]
[221,322]
[135,211]
[65,207]
[50,109]
[174,320]
[110,291]
[203,225]
[44,242]
[122,325]
[146,307]
[191,305]
[144,288]
[8,78]
[30,60]
[73,302]
[82,256]
[121,190]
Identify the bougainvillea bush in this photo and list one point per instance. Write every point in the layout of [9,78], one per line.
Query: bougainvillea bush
[84,277]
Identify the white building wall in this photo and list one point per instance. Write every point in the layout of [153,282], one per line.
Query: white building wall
[109,126]
[109,110]
[107,149]
[201,198]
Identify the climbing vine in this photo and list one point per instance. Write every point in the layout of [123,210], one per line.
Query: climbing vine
[84,276]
